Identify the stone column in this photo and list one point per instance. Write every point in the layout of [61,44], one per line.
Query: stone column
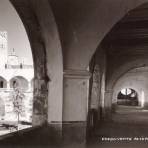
[29,86]
[107,105]
[75,105]
[8,84]
[40,102]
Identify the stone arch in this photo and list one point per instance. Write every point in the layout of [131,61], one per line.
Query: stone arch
[135,79]
[128,97]
[125,9]
[119,73]
[19,81]
[45,44]
[118,88]
[122,69]
[83,30]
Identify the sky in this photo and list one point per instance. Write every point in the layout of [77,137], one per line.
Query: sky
[17,37]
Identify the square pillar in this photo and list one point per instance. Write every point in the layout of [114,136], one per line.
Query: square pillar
[8,85]
[75,105]
[107,105]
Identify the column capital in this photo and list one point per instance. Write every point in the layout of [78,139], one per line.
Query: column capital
[76,74]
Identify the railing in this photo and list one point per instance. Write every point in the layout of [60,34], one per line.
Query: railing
[18,66]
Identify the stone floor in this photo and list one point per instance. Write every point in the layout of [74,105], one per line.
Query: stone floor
[128,123]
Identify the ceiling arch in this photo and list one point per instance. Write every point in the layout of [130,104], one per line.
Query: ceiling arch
[47,54]
[126,44]
[124,68]
[83,24]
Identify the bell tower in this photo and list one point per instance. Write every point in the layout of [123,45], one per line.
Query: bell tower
[3,48]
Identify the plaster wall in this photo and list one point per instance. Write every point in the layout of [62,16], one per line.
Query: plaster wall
[135,79]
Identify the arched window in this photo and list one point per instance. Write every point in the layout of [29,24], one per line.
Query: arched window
[19,82]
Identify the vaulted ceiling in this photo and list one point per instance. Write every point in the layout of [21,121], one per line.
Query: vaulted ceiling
[126,44]
[129,36]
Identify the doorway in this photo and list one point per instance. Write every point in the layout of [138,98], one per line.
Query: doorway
[127,97]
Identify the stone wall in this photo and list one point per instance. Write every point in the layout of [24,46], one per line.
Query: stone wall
[135,79]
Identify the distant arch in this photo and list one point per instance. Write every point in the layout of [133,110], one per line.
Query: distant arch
[127,97]
[19,81]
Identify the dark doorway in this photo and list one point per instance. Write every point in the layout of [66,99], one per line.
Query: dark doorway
[127,97]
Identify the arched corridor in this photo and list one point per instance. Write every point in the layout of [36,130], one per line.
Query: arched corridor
[85,53]
[124,116]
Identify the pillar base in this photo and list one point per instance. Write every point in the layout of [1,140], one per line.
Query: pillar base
[55,132]
[107,114]
[68,132]
[74,132]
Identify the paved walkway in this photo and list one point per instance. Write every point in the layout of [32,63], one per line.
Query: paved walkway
[128,128]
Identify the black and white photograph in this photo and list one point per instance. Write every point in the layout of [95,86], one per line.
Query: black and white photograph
[73,73]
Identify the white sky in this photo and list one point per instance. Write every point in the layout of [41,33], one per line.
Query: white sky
[17,37]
